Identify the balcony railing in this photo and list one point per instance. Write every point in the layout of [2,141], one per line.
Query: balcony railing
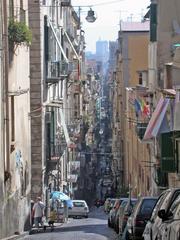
[58,70]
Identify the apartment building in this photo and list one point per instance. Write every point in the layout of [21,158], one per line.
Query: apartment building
[164,84]
[57,69]
[15,190]
[130,83]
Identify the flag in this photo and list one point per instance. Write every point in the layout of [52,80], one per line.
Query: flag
[137,107]
[145,108]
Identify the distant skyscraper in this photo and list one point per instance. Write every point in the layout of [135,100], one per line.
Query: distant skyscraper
[102,52]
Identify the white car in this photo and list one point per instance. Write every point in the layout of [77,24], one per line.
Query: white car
[155,225]
[170,228]
[79,209]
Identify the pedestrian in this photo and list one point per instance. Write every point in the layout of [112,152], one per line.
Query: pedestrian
[65,211]
[32,213]
[38,212]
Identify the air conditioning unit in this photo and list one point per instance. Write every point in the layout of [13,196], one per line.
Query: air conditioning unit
[65,3]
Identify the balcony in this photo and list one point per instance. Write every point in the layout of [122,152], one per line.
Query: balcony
[52,163]
[58,70]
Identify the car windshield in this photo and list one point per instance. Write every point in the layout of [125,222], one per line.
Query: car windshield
[113,201]
[147,206]
[78,204]
[130,205]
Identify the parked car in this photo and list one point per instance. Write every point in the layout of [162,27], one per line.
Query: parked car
[119,212]
[170,227]
[164,204]
[123,217]
[79,209]
[139,217]
[113,211]
[108,205]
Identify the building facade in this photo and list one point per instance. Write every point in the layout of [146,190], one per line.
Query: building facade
[15,122]
[130,83]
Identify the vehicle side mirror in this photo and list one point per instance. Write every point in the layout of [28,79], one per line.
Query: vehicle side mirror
[162,214]
[170,214]
[127,213]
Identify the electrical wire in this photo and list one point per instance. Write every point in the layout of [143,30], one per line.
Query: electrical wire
[99,4]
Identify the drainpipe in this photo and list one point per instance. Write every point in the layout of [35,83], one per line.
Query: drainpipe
[6,98]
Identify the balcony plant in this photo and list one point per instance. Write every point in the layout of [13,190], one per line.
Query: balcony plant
[19,33]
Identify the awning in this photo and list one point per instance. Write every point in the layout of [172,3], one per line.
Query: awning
[158,121]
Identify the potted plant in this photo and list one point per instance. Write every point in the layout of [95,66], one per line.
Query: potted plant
[19,33]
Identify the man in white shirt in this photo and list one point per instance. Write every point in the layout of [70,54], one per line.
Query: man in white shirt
[38,212]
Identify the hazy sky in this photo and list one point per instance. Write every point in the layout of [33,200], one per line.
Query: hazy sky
[109,13]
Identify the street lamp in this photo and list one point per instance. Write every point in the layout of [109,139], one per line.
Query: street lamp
[91,16]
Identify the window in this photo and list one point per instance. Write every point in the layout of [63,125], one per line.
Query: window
[158,205]
[147,206]
[140,78]
[78,204]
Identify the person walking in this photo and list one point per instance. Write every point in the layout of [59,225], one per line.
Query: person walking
[65,212]
[38,212]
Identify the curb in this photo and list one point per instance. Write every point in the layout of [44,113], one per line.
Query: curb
[13,237]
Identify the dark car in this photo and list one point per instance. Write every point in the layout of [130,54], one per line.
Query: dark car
[163,206]
[139,217]
[112,213]
[123,217]
[119,212]
[108,205]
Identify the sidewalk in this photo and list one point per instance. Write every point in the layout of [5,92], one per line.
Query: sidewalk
[19,236]
[33,230]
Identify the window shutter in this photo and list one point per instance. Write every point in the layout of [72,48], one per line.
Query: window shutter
[52,133]
[153,22]
[46,39]
[168,163]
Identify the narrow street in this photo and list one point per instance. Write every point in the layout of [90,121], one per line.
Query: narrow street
[95,227]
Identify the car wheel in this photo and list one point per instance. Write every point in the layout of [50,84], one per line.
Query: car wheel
[109,224]
[86,216]
[117,230]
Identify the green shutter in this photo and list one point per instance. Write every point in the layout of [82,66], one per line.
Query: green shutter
[153,13]
[46,39]
[52,133]
[161,178]
[153,22]
[168,163]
